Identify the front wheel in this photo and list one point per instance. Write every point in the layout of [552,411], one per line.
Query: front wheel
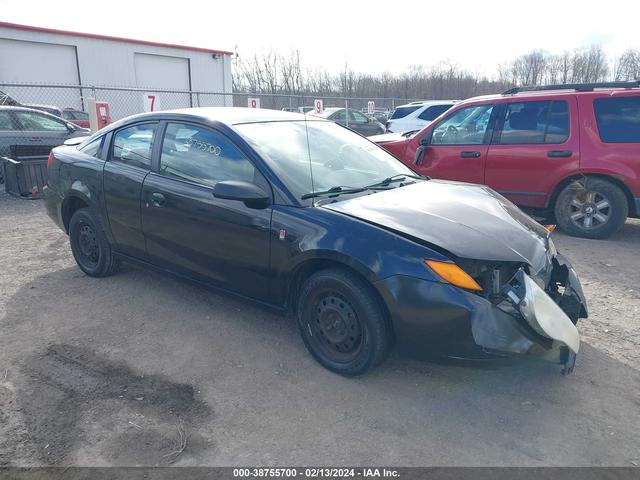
[90,246]
[342,322]
[591,208]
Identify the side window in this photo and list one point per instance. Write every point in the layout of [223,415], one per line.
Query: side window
[93,148]
[618,119]
[467,126]
[433,112]
[202,156]
[339,116]
[5,121]
[535,123]
[402,112]
[42,123]
[357,117]
[132,145]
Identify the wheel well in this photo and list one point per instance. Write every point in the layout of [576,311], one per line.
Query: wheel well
[615,181]
[69,207]
[308,268]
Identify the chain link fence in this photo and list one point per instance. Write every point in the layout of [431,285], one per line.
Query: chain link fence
[125,101]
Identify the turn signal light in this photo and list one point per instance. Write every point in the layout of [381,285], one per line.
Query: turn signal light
[50,160]
[453,274]
[551,228]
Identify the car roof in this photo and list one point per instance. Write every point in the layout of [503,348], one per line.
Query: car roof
[427,103]
[325,112]
[237,115]
[528,95]
[15,108]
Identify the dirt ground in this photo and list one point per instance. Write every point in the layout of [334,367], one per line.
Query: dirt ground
[141,369]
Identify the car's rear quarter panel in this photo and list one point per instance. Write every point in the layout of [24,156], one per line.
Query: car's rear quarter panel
[74,174]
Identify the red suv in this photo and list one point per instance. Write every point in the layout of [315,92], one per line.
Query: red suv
[573,150]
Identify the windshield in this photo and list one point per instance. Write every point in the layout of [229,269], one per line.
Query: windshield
[338,156]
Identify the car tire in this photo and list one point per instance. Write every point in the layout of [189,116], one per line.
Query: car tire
[342,322]
[591,208]
[90,246]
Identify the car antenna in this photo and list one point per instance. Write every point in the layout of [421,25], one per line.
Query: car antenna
[306,129]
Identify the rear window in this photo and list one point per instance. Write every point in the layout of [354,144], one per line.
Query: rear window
[401,112]
[618,119]
[431,113]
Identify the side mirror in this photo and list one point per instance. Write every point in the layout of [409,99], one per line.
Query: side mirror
[251,194]
[420,151]
[420,154]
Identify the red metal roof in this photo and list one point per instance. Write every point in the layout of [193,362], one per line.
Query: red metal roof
[31,28]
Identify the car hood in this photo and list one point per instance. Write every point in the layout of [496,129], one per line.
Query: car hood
[469,221]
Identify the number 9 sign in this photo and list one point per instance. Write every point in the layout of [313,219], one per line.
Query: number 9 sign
[318,106]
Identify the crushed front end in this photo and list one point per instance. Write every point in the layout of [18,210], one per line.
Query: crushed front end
[529,312]
[520,310]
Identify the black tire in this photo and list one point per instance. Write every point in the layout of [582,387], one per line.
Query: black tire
[90,246]
[591,208]
[342,322]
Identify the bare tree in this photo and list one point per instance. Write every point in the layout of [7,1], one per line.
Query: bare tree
[627,66]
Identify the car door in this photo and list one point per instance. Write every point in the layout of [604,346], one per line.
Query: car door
[40,132]
[456,148]
[188,230]
[536,144]
[129,162]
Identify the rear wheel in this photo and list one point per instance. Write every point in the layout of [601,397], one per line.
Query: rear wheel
[342,322]
[593,208]
[90,246]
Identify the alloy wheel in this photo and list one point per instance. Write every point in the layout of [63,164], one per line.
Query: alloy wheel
[589,209]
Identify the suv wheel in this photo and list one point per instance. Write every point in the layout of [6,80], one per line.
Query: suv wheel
[342,322]
[90,246]
[593,208]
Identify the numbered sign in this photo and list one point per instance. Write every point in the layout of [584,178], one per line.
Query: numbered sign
[371,107]
[253,102]
[318,106]
[151,103]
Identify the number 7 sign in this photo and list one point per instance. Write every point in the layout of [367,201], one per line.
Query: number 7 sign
[151,103]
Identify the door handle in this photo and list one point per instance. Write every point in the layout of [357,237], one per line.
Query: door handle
[559,153]
[470,154]
[35,139]
[157,199]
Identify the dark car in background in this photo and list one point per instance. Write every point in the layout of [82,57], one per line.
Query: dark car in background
[51,109]
[77,117]
[353,119]
[303,215]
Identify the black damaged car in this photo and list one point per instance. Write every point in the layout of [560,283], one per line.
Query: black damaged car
[305,216]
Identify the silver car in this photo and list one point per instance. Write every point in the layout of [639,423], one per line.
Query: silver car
[25,132]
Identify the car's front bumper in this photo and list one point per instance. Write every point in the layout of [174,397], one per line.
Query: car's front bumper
[438,318]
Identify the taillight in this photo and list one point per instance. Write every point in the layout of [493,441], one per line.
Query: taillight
[50,160]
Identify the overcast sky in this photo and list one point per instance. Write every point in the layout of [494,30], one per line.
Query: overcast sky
[372,36]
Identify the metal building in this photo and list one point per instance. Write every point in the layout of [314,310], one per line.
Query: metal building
[35,55]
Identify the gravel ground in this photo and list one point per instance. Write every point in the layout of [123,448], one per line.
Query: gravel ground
[141,369]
